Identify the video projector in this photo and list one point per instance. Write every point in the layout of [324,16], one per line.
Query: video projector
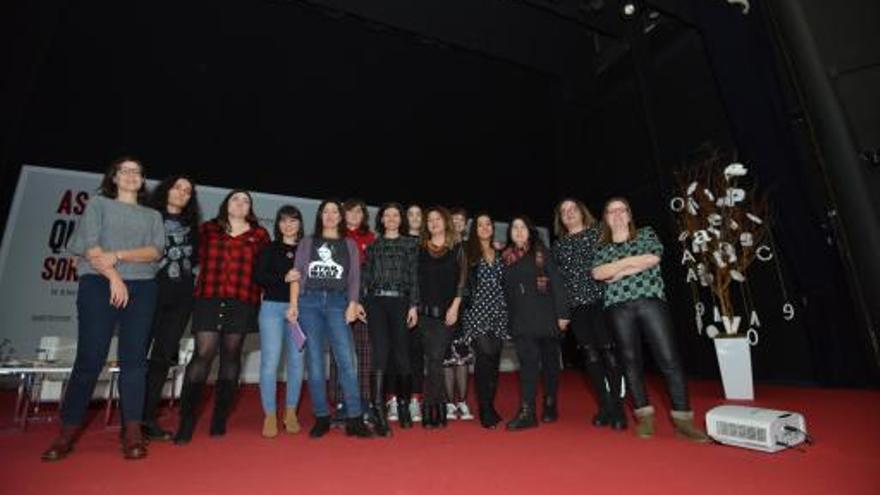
[768,430]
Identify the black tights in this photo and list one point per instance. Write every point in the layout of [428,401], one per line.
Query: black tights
[648,318]
[488,351]
[207,344]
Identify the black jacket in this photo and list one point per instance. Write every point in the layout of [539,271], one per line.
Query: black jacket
[532,312]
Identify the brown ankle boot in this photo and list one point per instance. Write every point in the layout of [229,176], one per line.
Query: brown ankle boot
[270,426]
[685,427]
[63,444]
[133,444]
[645,418]
[291,423]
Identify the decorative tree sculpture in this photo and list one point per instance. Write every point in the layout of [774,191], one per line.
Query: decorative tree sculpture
[723,231]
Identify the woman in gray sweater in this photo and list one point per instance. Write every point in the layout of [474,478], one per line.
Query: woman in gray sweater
[118,242]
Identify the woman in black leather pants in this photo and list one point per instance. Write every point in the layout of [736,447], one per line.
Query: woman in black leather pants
[628,261]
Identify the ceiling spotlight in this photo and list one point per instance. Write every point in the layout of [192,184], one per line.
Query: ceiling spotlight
[629,10]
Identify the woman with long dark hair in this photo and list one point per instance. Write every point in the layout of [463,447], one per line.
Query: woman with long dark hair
[536,302]
[442,276]
[275,271]
[576,244]
[357,228]
[227,298]
[459,356]
[484,317]
[118,242]
[391,293]
[325,301]
[176,199]
[628,262]
[413,228]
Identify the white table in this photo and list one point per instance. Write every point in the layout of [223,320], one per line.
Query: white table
[30,380]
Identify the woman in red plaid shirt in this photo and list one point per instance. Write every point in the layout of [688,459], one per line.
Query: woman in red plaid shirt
[227,300]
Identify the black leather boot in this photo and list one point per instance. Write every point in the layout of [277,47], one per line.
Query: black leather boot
[153,431]
[321,427]
[429,416]
[525,418]
[550,413]
[404,393]
[442,420]
[355,427]
[223,399]
[379,414]
[596,371]
[617,416]
[190,397]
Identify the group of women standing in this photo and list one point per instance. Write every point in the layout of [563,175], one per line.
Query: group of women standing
[390,307]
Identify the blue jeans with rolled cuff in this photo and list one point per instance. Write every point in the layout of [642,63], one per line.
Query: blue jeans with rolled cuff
[322,318]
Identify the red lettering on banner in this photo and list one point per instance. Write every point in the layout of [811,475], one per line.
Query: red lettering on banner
[66,205]
[60,269]
[81,199]
[72,205]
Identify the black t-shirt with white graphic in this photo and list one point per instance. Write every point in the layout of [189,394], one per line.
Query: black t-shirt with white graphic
[179,258]
[328,265]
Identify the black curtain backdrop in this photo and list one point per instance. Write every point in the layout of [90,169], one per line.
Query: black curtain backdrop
[766,129]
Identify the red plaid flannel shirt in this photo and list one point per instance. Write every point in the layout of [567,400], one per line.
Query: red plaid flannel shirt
[226,263]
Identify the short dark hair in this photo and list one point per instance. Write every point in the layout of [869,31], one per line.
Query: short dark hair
[192,212]
[391,205]
[535,242]
[458,210]
[353,203]
[289,211]
[108,188]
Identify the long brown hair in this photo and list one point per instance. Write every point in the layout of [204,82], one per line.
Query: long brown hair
[192,212]
[447,226]
[606,229]
[319,222]
[559,228]
[109,189]
[473,248]
[222,218]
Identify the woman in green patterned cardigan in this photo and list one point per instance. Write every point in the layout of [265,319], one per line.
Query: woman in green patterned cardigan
[628,261]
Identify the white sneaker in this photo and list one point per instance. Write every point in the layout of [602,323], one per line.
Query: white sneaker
[451,411]
[415,410]
[392,409]
[463,411]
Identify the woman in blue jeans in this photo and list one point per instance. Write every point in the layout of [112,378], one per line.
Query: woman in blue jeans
[274,273]
[325,301]
[118,242]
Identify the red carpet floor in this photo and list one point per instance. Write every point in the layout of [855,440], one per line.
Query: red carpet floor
[567,457]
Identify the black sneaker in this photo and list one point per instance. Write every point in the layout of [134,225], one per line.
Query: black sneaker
[322,426]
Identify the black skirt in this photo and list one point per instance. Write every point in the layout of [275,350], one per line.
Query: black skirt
[224,316]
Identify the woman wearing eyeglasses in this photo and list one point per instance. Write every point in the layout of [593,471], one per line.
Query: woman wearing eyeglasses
[628,262]
[118,242]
